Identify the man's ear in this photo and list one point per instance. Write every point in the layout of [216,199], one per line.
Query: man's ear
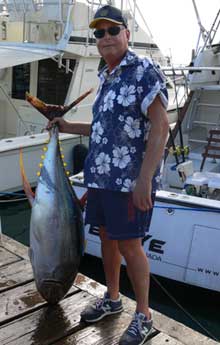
[128,34]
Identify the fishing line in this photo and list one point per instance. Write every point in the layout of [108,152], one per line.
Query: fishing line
[183,309]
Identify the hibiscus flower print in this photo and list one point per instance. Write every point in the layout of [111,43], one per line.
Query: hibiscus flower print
[108,100]
[105,141]
[118,181]
[132,127]
[102,162]
[97,132]
[117,80]
[93,185]
[146,63]
[121,157]
[157,179]
[130,57]
[139,73]
[126,96]
[128,185]
[140,89]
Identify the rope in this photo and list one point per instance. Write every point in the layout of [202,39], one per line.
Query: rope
[184,310]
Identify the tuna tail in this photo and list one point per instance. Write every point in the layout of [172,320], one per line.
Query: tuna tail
[26,185]
[52,110]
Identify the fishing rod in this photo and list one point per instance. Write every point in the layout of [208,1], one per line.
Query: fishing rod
[179,125]
[173,146]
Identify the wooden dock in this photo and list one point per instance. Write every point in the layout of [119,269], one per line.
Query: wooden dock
[26,319]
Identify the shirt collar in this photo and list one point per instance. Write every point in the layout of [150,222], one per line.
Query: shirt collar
[128,59]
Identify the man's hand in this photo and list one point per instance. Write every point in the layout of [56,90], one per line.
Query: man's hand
[80,128]
[60,122]
[142,194]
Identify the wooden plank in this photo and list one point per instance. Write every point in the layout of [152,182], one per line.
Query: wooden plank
[14,246]
[214,131]
[48,324]
[179,331]
[105,332]
[37,324]
[162,323]
[91,286]
[15,274]
[163,339]
[21,300]
[7,257]
[212,147]
[96,289]
[210,155]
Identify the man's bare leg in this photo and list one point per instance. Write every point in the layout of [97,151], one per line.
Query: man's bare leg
[138,272]
[112,263]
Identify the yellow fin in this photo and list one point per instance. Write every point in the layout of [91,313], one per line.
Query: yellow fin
[27,187]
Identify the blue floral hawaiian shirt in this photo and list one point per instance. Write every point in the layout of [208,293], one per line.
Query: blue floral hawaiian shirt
[120,124]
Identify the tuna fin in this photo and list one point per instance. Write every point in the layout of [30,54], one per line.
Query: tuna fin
[36,103]
[27,188]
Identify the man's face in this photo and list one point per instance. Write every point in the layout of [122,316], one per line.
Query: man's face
[112,47]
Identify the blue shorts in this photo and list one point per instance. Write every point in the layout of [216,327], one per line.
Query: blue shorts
[115,211]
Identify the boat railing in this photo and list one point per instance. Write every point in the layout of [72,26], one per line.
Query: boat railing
[207,36]
[177,80]
[212,33]
[22,9]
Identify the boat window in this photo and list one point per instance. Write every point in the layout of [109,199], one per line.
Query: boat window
[53,82]
[20,80]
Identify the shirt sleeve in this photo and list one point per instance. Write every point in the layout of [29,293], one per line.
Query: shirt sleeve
[151,84]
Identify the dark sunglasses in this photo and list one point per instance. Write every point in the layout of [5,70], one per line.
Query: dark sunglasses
[113,31]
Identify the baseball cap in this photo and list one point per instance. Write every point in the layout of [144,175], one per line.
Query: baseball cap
[110,13]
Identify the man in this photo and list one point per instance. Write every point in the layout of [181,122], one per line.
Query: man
[127,139]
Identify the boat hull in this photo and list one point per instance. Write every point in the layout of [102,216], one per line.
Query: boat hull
[32,148]
[182,242]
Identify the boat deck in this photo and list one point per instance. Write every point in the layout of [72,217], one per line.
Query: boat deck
[26,319]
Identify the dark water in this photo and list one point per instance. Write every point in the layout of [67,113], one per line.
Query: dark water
[166,296]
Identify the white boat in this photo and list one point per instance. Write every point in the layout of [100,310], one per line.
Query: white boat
[183,242]
[47,49]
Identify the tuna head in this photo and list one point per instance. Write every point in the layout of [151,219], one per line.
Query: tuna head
[53,285]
